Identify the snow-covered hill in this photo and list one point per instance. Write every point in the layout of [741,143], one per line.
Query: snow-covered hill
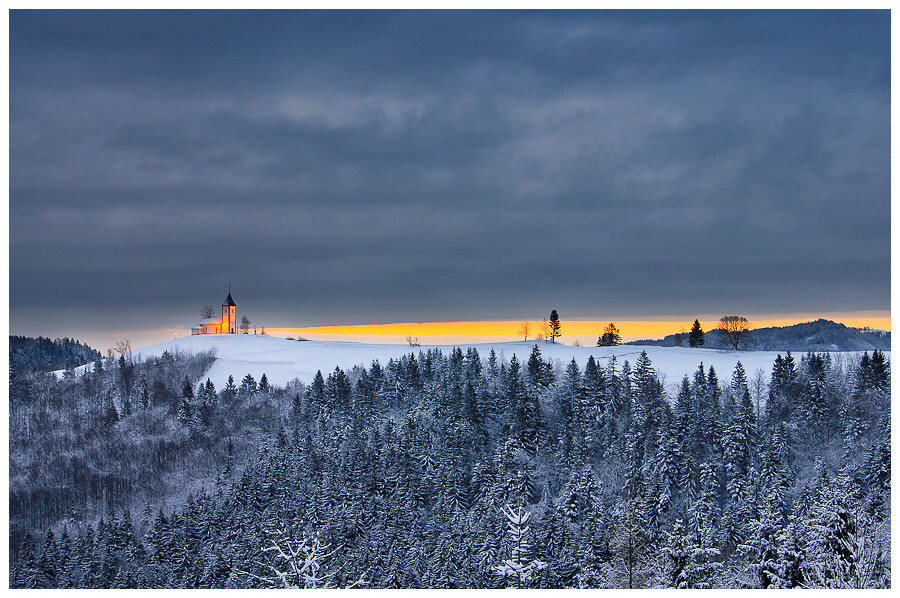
[283,360]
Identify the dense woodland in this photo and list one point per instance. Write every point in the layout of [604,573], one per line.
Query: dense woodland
[453,470]
[41,354]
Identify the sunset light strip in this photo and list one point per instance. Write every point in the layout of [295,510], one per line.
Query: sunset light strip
[571,329]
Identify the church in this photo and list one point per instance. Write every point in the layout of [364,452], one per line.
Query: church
[224,325]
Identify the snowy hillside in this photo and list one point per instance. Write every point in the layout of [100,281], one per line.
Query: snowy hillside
[283,360]
[422,454]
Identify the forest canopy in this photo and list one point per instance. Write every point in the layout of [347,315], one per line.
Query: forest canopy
[413,474]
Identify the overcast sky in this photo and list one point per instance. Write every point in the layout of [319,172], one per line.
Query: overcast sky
[370,167]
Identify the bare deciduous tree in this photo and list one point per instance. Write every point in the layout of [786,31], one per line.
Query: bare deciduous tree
[297,562]
[123,347]
[523,330]
[734,327]
[207,311]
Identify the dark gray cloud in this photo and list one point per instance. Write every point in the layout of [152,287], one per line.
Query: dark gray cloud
[354,167]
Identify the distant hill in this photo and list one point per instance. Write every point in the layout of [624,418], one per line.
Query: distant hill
[821,335]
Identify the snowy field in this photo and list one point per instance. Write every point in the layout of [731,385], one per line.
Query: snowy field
[283,360]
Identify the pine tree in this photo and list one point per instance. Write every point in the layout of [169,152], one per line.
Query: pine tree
[791,556]
[536,369]
[229,389]
[696,338]
[338,390]
[185,413]
[842,550]
[629,562]
[248,386]
[739,447]
[315,392]
[610,337]
[570,400]
[815,396]
[554,325]
[762,549]
[678,550]
[519,567]
[704,568]
[880,372]
[782,390]
[687,434]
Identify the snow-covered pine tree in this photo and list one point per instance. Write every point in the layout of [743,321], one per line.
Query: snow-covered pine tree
[704,567]
[843,548]
[248,387]
[739,446]
[229,391]
[629,559]
[520,568]
[761,549]
[678,550]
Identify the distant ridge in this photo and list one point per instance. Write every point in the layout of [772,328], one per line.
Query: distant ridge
[821,335]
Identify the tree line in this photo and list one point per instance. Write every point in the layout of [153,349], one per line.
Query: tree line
[733,328]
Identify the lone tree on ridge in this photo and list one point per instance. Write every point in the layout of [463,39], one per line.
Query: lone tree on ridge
[734,328]
[696,337]
[554,325]
[610,337]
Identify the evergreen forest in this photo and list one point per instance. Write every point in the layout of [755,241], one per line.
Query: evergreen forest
[43,354]
[454,470]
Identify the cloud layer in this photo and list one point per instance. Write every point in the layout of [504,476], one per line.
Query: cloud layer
[364,167]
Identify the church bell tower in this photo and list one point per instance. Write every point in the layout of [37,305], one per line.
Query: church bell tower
[229,314]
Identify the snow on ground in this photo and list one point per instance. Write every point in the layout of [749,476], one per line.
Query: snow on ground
[283,360]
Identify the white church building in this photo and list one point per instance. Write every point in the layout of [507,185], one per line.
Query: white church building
[225,325]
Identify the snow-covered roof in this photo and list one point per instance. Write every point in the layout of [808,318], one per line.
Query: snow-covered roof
[210,321]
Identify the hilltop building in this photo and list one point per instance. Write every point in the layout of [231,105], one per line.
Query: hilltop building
[225,325]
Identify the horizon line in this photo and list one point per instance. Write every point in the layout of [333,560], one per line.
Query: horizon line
[633,329]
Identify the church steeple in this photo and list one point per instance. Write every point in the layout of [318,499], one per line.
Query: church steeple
[229,314]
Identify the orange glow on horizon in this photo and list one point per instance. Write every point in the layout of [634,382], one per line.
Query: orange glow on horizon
[582,330]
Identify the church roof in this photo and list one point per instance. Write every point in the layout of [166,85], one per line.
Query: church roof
[210,321]
[229,302]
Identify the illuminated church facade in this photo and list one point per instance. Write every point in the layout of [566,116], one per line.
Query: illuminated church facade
[225,325]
